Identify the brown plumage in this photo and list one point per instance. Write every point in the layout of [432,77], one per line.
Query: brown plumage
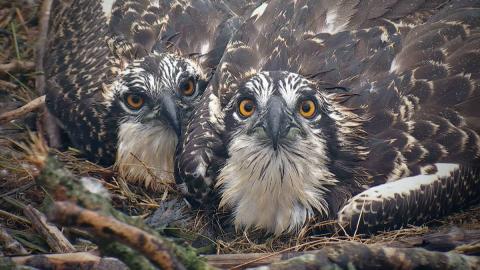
[406,69]
[118,73]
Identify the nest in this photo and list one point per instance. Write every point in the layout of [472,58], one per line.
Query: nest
[22,145]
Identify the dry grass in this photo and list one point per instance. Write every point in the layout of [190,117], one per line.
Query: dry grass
[18,28]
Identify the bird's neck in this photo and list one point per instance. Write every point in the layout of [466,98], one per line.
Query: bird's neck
[145,154]
[274,190]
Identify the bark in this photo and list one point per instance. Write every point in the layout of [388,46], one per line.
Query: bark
[355,256]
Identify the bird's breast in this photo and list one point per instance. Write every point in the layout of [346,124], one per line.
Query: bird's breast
[145,154]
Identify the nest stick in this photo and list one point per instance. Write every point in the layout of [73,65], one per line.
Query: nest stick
[7,86]
[22,111]
[9,244]
[64,186]
[54,237]
[78,260]
[16,65]
[361,256]
[50,127]
[42,43]
[105,227]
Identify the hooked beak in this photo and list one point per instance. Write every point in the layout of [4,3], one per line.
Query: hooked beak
[169,112]
[276,122]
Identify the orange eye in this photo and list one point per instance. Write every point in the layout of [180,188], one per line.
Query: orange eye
[187,87]
[246,107]
[135,102]
[307,108]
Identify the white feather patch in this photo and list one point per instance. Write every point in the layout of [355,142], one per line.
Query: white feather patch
[388,191]
[146,153]
[258,12]
[107,8]
[276,191]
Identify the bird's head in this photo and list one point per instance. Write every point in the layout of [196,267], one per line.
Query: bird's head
[277,110]
[160,89]
[150,101]
[289,142]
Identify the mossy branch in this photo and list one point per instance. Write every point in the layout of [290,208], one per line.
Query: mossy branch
[62,185]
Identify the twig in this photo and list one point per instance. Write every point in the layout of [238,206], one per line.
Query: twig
[6,86]
[10,245]
[69,214]
[41,44]
[22,21]
[242,261]
[15,66]
[18,189]
[55,239]
[12,216]
[78,260]
[50,127]
[360,256]
[17,113]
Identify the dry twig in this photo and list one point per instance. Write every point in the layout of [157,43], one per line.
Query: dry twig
[10,245]
[153,248]
[54,237]
[15,66]
[7,86]
[14,217]
[17,113]
[358,256]
[48,121]
[79,260]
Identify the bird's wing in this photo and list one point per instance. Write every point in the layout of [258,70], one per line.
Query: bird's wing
[412,200]
[279,35]
[135,26]
[420,105]
[78,65]
[198,29]
[91,42]
[424,131]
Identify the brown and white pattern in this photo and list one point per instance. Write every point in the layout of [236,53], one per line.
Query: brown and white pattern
[100,52]
[407,71]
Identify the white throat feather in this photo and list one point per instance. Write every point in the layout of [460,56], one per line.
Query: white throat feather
[145,153]
[275,190]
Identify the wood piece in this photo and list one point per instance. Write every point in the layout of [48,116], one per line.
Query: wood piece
[7,86]
[40,47]
[16,65]
[457,239]
[356,256]
[78,260]
[14,217]
[241,261]
[50,127]
[54,237]
[9,245]
[22,111]
[69,214]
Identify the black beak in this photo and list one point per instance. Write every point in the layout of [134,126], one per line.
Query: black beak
[276,122]
[169,112]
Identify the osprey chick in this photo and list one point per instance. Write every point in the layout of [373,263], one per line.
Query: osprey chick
[124,75]
[397,148]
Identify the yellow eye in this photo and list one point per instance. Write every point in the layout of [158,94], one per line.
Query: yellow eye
[187,87]
[307,108]
[246,107]
[135,102]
